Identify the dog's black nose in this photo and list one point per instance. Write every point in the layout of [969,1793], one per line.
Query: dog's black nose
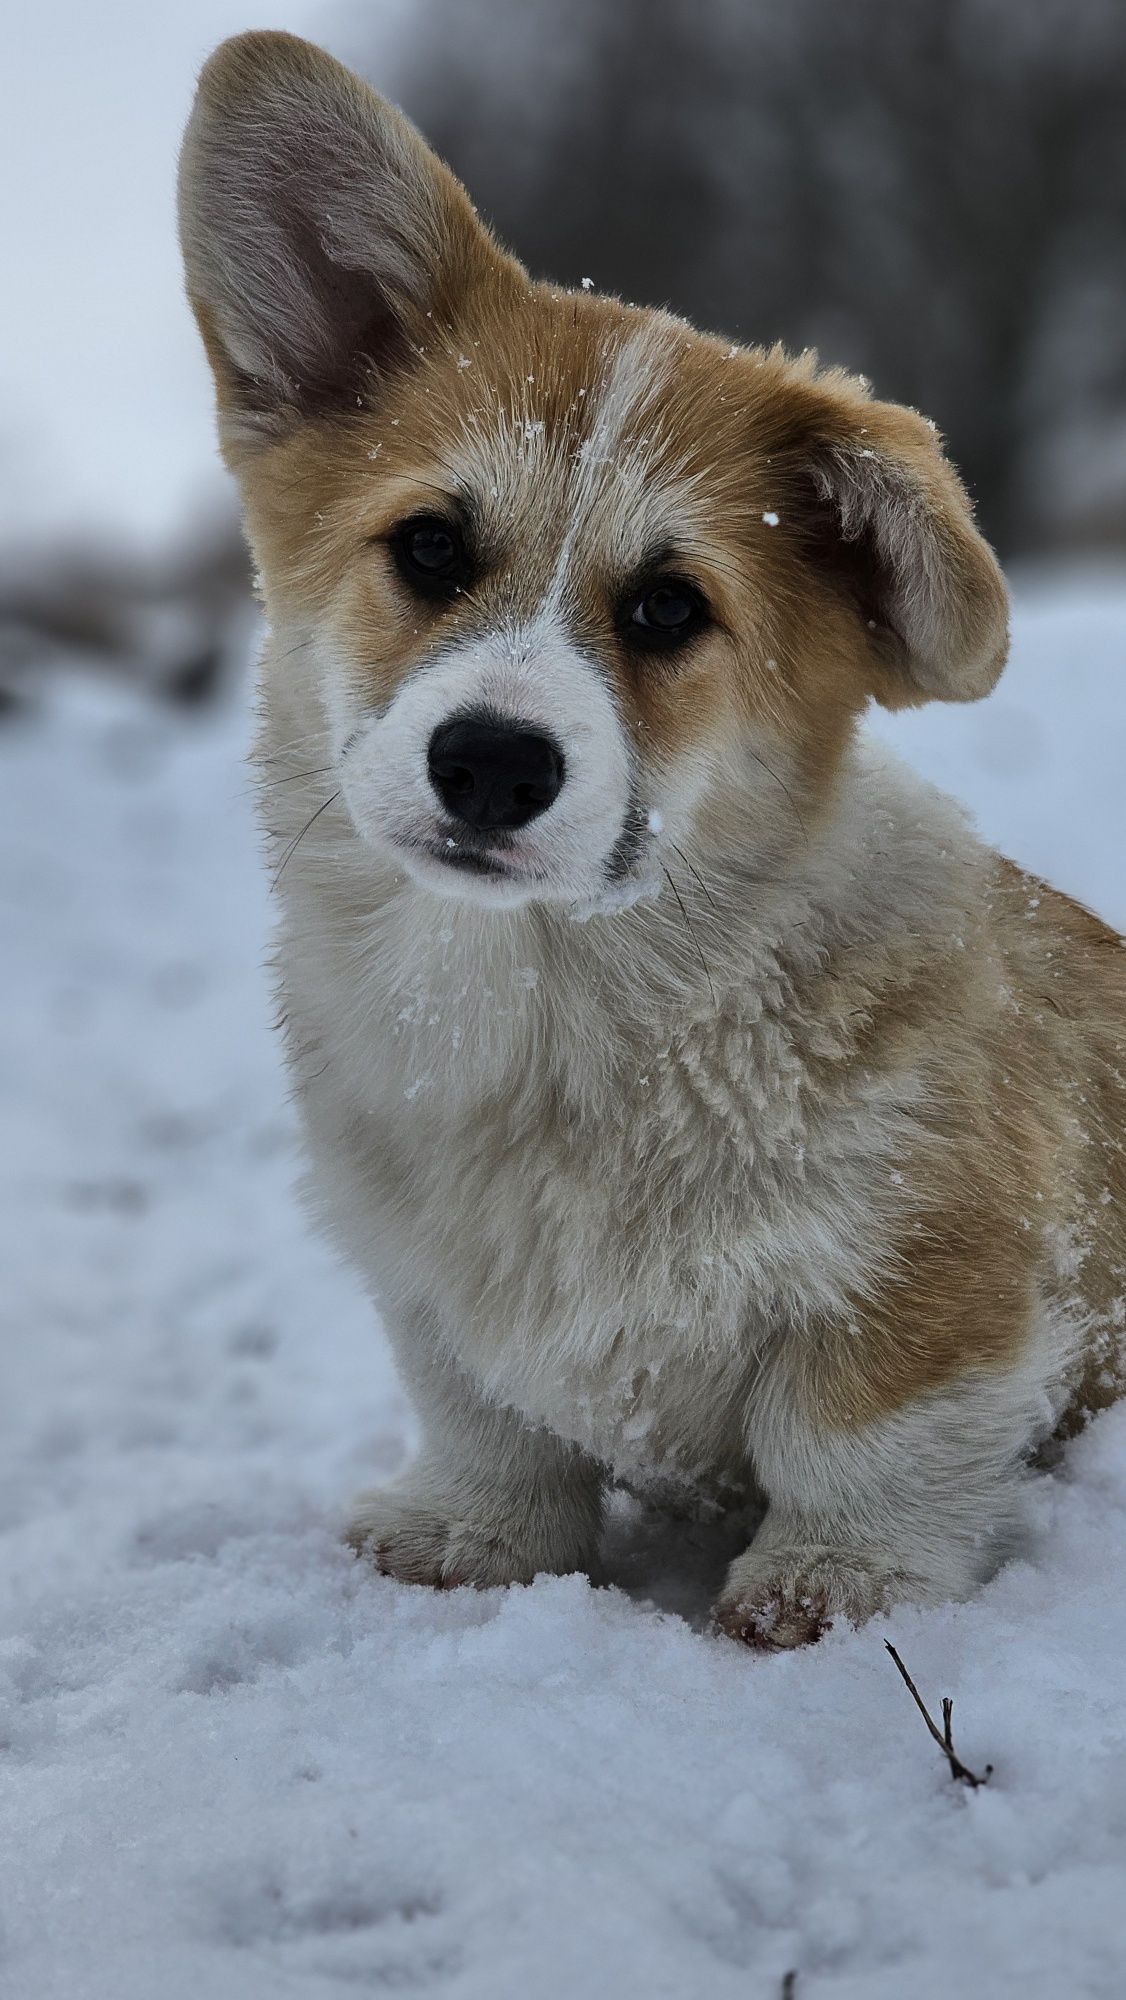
[493,775]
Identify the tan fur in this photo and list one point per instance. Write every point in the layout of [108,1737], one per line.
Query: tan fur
[809,1174]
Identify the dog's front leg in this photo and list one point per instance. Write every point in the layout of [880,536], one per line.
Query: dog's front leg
[490,1499]
[916,1505]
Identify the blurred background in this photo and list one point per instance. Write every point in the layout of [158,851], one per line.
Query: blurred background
[932,192]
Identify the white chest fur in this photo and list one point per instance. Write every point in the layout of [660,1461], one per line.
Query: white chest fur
[610,1189]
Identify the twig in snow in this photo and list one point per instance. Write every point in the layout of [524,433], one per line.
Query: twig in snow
[941,1736]
[790,1984]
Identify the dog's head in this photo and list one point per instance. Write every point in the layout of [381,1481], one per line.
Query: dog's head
[575,580]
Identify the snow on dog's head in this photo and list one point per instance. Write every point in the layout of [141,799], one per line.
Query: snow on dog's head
[569,579]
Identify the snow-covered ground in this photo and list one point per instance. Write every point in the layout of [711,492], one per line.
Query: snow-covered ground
[237,1765]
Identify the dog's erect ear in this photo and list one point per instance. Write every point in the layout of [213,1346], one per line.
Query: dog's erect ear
[884,515]
[318,231]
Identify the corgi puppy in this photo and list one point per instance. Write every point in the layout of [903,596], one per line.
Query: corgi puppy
[706,1108]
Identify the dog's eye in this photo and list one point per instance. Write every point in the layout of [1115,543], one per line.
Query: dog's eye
[431,555]
[670,613]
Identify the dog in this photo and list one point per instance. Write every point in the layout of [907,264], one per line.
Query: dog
[707,1109]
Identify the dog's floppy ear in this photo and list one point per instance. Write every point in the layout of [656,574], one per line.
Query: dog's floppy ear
[884,516]
[318,230]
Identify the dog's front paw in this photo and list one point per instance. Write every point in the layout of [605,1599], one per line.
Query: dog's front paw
[785,1598]
[425,1539]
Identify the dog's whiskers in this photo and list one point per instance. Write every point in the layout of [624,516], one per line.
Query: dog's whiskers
[692,934]
[296,842]
[692,868]
[784,788]
[281,750]
[302,646]
[271,784]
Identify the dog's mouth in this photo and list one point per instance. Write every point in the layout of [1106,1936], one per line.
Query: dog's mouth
[476,857]
[471,859]
[493,868]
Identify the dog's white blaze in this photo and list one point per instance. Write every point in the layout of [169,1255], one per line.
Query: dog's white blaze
[615,491]
[608,459]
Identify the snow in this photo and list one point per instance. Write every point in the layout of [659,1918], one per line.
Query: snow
[1042,761]
[237,1764]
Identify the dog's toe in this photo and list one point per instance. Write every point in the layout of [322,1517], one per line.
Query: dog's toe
[774,1622]
[402,1538]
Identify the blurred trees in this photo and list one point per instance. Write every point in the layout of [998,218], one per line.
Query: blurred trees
[176,622]
[932,192]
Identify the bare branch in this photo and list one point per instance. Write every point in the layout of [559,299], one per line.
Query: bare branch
[942,1736]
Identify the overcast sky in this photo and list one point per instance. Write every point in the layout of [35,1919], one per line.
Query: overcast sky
[105,408]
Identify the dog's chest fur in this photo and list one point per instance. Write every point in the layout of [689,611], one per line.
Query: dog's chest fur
[610,1190]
